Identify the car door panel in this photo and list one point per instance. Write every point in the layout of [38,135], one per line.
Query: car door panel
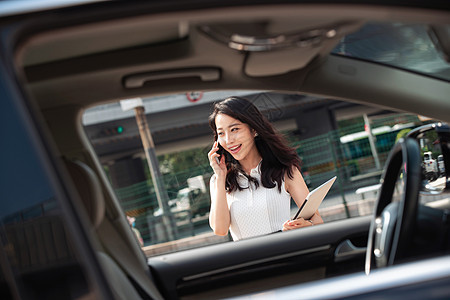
[288,258]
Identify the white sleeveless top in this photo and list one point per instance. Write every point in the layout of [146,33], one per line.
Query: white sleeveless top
[258,211]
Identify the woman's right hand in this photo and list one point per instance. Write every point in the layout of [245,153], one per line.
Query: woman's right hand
[220,169]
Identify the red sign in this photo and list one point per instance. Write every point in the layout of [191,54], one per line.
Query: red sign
[194,96]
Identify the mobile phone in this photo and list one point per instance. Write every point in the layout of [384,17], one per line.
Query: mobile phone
[220,152]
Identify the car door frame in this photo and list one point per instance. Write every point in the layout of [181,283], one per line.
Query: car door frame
[13,92]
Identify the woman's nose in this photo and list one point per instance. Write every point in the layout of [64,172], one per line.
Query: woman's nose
[228,138]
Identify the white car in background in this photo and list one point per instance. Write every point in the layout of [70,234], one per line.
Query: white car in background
[430,166]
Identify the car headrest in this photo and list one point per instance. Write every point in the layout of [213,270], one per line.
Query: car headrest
[89,189]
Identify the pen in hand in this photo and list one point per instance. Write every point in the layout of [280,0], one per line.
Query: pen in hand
[300,209]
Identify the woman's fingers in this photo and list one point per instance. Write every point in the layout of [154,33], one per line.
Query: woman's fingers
[216,161]
[294,224]
[213,148]
[213,153]
[212,156]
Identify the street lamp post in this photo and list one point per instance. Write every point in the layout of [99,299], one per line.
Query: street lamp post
[152,160]
[372,142]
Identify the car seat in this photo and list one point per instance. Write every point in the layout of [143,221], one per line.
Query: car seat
[121,277]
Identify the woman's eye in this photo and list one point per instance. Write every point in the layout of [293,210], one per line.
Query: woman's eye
[220,133]
[234,129]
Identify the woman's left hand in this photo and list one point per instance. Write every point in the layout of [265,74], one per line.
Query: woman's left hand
[294,224]
[316,219]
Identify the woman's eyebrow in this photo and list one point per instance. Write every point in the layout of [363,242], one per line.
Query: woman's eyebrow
[234,124]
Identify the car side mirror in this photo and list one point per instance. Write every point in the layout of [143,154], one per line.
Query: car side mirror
[434,142]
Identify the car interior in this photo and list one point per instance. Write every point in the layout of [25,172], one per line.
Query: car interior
[68,60]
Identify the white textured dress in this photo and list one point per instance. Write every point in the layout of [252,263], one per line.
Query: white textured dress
[258,211]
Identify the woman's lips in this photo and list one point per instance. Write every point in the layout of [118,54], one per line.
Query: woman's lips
[235,150]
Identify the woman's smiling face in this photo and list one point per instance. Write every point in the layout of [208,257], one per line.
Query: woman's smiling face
[235,137]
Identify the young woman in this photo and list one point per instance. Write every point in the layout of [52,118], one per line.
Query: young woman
[255,174]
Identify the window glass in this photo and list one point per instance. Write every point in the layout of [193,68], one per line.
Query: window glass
[352,141]
[406,46]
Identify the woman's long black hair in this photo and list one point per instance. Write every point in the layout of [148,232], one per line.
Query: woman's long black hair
[278,159]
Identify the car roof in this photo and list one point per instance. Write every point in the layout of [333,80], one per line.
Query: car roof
[154,49]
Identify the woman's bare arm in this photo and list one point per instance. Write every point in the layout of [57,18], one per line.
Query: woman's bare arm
[219,215]
[298,190]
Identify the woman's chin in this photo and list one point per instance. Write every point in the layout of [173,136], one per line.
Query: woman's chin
[236,156]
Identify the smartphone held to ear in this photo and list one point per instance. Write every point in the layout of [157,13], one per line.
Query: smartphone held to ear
[220,152]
